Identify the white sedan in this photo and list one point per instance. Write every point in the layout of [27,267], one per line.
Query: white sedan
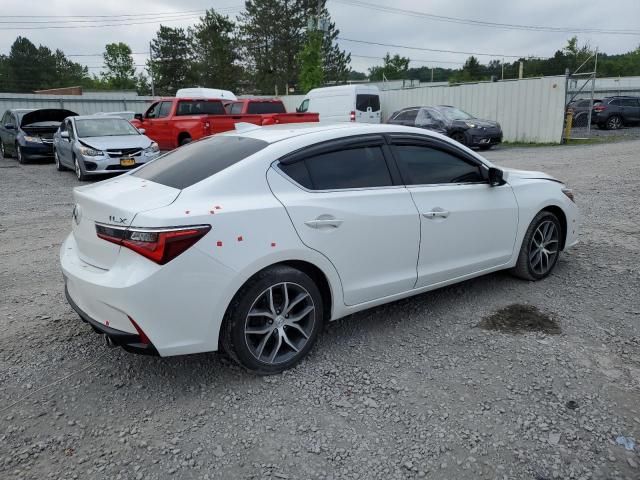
[250,240]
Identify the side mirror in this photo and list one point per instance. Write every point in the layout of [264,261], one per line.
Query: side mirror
[141,130]
[138,116]
[298,110]
[64,135]
[495,177]
[8,126]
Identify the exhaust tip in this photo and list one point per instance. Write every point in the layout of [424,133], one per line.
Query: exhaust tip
[109,341]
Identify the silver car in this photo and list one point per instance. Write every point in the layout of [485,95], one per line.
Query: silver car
[92,145]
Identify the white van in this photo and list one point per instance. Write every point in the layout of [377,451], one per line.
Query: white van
[345,103]
[199,92]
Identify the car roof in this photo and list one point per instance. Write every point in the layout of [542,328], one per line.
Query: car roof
[276,133]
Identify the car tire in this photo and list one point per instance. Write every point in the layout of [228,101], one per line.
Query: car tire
[20,155]
[3,151]
[540,248]
[185,140]
[485,147]
[267,331]
[614,122]
[459,137]
[59,166]
[80,175]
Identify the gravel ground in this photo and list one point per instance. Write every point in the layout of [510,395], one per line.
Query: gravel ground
[626,132]
[413,389]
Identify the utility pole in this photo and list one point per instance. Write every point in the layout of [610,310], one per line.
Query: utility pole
[502,63]
[153,89]
[521,70]
[431,74]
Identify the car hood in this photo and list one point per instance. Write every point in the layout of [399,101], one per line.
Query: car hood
[119,141]
[511,173]
[46,115]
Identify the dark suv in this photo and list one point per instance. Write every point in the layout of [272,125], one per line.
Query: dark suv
[615,112]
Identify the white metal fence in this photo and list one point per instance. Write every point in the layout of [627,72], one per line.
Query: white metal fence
[529,110]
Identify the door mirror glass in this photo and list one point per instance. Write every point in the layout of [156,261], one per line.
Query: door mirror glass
[138,116]
[495,177]
[64,135]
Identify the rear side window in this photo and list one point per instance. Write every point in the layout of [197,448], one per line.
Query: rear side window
[363,167]
[629,102]
[420,165]
[200,107]
[196,161]
[266,107]
[363,102]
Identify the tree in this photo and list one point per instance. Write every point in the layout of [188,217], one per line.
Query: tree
[120,67]
[312,71]
[336,61]
[353,75]
[393,68]
[216,52]
[172,64]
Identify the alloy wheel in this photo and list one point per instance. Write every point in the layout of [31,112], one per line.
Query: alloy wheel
[77,169]
[615,123]
[19,154]
[55,157]
[2,153]
[543,248]
[279,323]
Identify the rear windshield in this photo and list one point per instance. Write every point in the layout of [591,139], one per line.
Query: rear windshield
[266,107]
[196,161]
[363,102]
[200,107]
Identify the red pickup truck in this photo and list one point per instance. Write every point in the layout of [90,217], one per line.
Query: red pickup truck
[272,111]
[172,122]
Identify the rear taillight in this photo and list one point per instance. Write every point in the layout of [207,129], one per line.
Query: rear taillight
[599,108]
[352,117]
[160,245]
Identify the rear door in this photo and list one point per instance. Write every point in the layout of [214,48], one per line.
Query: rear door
[345,204]
[367,108]
[631,109]
[405,117]
[467,226]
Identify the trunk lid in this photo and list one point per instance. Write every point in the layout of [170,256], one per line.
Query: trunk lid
[115,202]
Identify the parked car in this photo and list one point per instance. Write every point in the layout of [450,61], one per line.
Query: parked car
[453,122]
[94,144]
[127,115]
[345,103]
[580,110]
[28,134]
[172,122]
[272,110]
[249,241]
[616,112]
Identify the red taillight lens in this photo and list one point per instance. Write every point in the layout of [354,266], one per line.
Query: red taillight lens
[599,108]
[158,245]
[352,117]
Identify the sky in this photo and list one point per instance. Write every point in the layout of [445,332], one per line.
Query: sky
[355,21]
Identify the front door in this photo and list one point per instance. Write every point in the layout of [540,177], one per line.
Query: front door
[467,226]
[344,204]
[156,125]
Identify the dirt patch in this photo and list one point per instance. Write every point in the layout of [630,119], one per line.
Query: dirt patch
[518,318]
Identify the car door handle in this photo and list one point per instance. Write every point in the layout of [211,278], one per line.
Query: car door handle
[323,222]
[436,214]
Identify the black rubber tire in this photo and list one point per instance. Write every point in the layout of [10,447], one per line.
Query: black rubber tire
[459,137]
[485,147]
[610,121]
[522,268]
[185,140]
[3,151]
[59,166]
[232,331]
[20,155]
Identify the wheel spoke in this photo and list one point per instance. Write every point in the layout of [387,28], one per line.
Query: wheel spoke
[298,328]
[285,305]
[262,344]
[295,302]
[276,348]
[550,231]
[285,337]
[261,313]
[271,306]
[258,330]
[306,311]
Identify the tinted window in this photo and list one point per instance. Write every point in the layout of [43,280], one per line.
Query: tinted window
[615,102]
[165,109]
[363,167]
[407,115]
[363,102]
[425,166]
[196,161]
[629,102]
[266,107]
[200,107]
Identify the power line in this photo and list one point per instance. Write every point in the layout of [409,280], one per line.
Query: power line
[482,23]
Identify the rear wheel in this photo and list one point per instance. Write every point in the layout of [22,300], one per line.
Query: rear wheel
[459,137]
[614,122]
[273,321]
[540,247]
[80,175]
[3,152]
[20,155]
[185,140]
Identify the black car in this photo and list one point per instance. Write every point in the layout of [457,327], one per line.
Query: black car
[453,122]
[615,112]
[29,133]
[580,110]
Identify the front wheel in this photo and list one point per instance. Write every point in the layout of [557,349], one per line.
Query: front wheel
[3,152]
[80,175]
[459,137]
[59,166]
[540,248]
[20,155]
[273,321]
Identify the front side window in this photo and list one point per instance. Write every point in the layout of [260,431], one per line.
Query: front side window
[362,167]
[421,165]
[165,109]
[153,110]
[407,115]
[196,161]
[366,101]
[200,107]
[453,113]
[304,106]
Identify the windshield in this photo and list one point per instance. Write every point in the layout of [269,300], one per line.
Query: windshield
[453,113]
[104,127]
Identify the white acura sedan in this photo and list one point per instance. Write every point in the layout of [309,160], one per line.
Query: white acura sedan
[250,240]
